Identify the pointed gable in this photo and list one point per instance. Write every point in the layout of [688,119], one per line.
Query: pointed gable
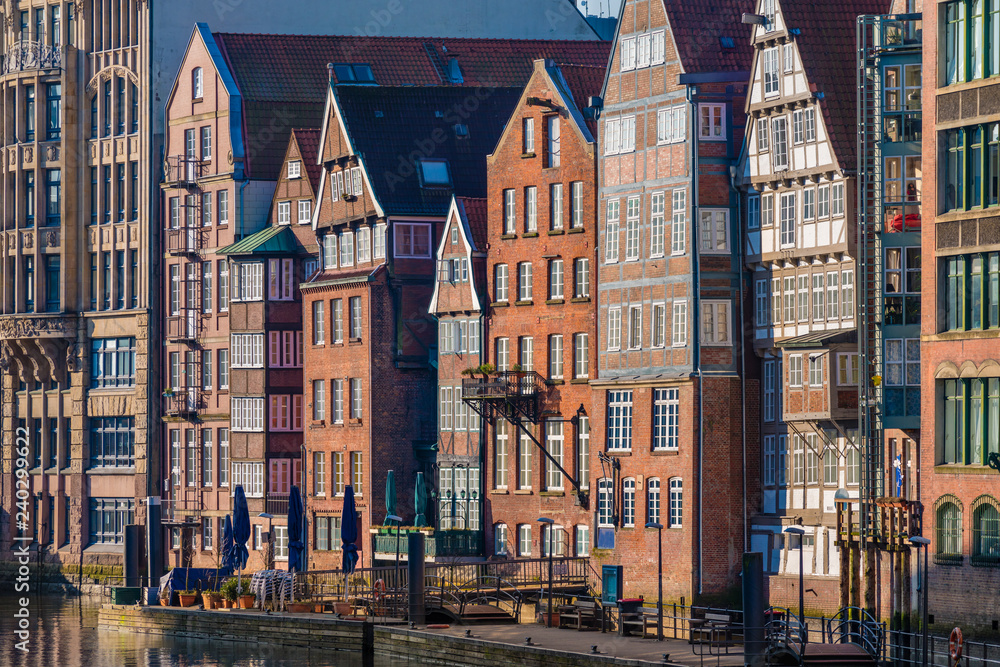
[459,258]
[709,35]
[307,142]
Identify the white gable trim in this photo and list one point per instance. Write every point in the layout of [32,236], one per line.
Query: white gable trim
[456,213]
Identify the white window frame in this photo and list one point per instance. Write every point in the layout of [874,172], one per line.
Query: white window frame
[714,331]
[678,222]
[795,370]
[713,126]
[714,228]
[679,326]
[294,169]
[770,79]
[614,329]
[611,233]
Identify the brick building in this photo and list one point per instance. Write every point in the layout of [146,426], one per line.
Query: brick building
[960,382]
[370,344]
[541,234]
[459,305]
[674,394]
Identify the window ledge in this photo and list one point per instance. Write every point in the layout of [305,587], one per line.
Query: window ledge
[961,469]
[619,452]
[580,299]
[554,382]
[499,492]
[554,302]
[665,452]
[580,381]
[523,492]
[124,470]
[354,422]
[499,304]
[575,230]
[529,235]
[506,237]
[525,156]
[555,232]
[524,303]
[354,341]
[552,494]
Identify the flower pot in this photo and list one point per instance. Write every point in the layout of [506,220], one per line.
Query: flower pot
[227,604]
[187,599]
[300,607]
[343,608]
[164,602]
[246,601]
[209,601]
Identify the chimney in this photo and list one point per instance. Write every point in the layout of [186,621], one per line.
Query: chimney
[329,70]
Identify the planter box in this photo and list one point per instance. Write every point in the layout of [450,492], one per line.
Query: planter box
[301,607]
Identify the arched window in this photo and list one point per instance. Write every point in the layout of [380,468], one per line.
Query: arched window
[653,500]
[500,539]
[985,531]
[949,531]
[628,502]
[676,503]
[197,83]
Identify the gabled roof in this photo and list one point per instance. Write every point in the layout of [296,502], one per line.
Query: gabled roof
[466,213]
[699,26]
[391,128]
[475,217]
[308,142]
[275,240]
[826,46]
[583,82]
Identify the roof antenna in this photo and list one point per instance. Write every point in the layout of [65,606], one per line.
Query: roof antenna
[329,70]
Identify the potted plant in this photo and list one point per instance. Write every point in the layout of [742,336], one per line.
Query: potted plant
[247,599]
[164,597]
[228,591]
[168,392]
[487,370]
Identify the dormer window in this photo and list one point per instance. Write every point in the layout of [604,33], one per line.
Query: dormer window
[353,73]
[295,169]
[197,83]
[434,174]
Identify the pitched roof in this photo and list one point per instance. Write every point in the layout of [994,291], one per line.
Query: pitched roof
[308,141]
[699,26]
[283,78]
[392,128]
[275,240]
[584,81]
[475,215]
[826,45]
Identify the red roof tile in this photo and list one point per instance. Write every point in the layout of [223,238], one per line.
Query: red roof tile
[698,28]
[308,141]
[584,81]
[826,45]
[475,215]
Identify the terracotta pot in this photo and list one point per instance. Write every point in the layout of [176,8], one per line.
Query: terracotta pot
[301,607]
[343,608]
[187,599]
[208,601]
[164,602]
[246,601]
[227,604]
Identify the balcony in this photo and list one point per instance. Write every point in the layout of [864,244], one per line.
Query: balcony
[185,326]
[26,55]
[437,544]
[184,241]
[276,504]
[511,394]
[182,402]
[183,511]
[181,171]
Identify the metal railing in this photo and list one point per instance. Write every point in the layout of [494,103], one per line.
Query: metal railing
[183,401]
[492,591]
[183,171]
[29,55]
[185,240]
[276,504]
[439,544]
[503,384]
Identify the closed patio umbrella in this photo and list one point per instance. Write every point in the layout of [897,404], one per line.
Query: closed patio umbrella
[241,533]
[420,501]
[296,540]
[349,535]
[228,542]
[390,496]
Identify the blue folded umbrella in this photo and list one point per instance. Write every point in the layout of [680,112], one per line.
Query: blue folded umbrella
[349,531]
[296,543]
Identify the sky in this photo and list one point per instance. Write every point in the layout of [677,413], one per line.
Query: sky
[599,7]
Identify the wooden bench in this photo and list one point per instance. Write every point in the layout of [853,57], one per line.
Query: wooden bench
[585,613]
[713,628]
[644,620]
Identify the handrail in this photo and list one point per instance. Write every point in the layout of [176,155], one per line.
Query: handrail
[854,625]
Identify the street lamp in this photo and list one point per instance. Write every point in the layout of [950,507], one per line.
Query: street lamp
[918,542]
[659,589]
[797,530]
[545,521]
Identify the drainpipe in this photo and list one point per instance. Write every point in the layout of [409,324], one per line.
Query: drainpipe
[743,355]
[692,93]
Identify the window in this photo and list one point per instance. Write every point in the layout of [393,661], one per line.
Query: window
[619,135]
[357,472]
[357,398]
[753,212]
[797,129]
[555,279]
[339,474]
[819,311]
[503,354]
[632,229]
[782,463]
[524,288]
[412,240]
[810,123]
[531,209]
[364,244]
[614,328]
[581,278]
[284,212]
[837,194]
[815,371]
[501,440]
[787,219]
[223,369]
[554,444]
[971,418]
[657,49]
[29,113]
[769,391]
[524,462]
[197,83]
[659,325]
[712,122]
[656,225]
[552,141]
[666,419]
[434,170]
[832,295]
[676,503]
[108,518]
[767,210]
[788,57]
[581,355]
[247,414]
[770,57]
[642,51]
[248,350]
[652,500]
[528,136]
[112,363]
[798,459]
[250,281]
[509,212]
[555,357]
[808,204]
[715,323]
[556,206]
[500,283]
[53,111]
[971,294]
[628,502]
[338,401]
[500,539]
[379,243]
[583,451]
[524,539]
[847,369]
[803,295]
[605,503]
[112,442]
[619,434]
[714,230]
[346,248]
[634,327]
[526,347]
[795,370]
[356,318]
[769,461]
[779,143]
[582,541]
[678,222]
[949,531]
[671,126]
[611,231]
[985,533]
[971,35]
[628,48]
[576,195]
[294,169]
[679,328]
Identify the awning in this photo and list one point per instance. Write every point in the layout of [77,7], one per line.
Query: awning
[275,240]
[819,339]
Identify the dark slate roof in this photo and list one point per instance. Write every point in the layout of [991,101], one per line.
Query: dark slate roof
[391,128]
[698,27]
[308,141]
[284,78]
[826,46]
[584,81]
[276,240]
[475,215]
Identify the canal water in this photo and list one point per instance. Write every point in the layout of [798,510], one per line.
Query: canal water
[64,634]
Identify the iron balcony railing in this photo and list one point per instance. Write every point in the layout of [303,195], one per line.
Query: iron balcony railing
[503,384]
[28,55]
[182,401]
[183,171]
[276,504]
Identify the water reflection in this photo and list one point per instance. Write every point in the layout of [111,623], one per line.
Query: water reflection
[64,634]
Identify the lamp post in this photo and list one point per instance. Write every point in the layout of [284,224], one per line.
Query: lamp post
[797,530]
[918,542]
[398,520]
[545,521]
[659,585]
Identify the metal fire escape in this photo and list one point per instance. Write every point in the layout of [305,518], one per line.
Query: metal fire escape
[514,396]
